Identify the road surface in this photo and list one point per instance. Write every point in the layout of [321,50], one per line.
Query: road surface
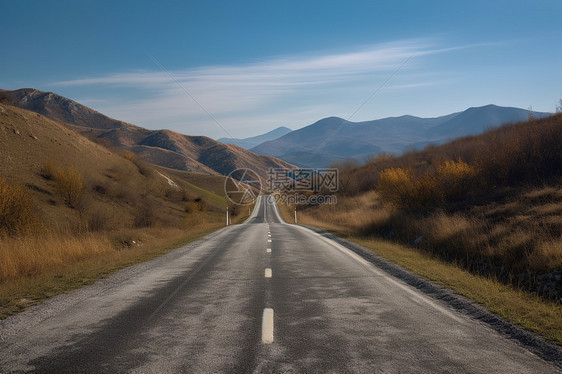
[260,297]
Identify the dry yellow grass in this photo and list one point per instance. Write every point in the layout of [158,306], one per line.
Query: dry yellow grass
[35,268]
[348,215]
[521,232]
[50,268]
[29,256]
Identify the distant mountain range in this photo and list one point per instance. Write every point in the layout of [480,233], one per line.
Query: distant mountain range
[161,147]
[320,144]
[334,139]
[254,141]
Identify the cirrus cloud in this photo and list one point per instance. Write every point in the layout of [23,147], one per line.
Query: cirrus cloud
[258,95]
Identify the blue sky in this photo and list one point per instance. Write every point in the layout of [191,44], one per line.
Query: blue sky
[240,68]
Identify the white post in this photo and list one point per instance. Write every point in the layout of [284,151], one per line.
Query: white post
[227,216]
[295,215]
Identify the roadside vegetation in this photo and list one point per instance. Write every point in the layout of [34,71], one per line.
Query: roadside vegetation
[72,211]
[100,226]
[487,208]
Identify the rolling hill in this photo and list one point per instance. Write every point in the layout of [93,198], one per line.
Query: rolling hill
[160,147]
[335,139]
[254,141]
[116,189]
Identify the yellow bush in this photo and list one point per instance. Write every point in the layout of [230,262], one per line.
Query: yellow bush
[397,186]
[17,215]
[128,155]
[455,178]
[427,192]
[450,180]
[70,185]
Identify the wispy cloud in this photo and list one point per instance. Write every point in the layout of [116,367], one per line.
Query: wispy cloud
[228,92]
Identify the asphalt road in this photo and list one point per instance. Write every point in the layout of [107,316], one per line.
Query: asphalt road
[259,297]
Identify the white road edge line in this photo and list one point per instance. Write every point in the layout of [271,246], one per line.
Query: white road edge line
[257,207]
[267,326]
[268,273]
[367,265]
[416,294]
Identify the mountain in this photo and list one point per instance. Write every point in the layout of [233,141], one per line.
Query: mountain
[161,147]
[474,121]
[248,143]
[335,139]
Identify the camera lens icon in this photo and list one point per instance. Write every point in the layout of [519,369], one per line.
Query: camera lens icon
[242,186]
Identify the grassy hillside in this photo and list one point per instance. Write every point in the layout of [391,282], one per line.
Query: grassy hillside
[72,210]
[491,204]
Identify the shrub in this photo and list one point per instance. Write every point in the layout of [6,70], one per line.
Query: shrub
[395,185]
[70,185]
[449,181]
[195,207]
[48,170]
[17,214]
[400,187]
[128,155]
[455,178]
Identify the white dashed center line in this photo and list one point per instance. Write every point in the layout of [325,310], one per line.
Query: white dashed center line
[268,250]
[267,326]
[268,273]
